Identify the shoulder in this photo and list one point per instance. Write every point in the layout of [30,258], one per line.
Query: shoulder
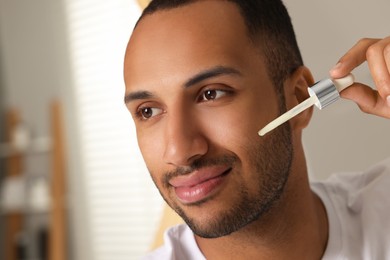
[179,243]
[374,180]
[357,191]
[358,208]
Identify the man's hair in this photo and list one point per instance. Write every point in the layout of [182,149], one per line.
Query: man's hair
[269,27]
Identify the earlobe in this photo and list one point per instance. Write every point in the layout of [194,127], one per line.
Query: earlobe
[295,90]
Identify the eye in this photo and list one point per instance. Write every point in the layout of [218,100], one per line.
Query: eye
[212,94]
[145,113]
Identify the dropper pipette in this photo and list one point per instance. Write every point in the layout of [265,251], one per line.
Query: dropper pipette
[322,94]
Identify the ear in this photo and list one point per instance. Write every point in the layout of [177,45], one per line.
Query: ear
[295,91]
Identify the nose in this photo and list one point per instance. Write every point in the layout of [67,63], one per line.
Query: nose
[184,141]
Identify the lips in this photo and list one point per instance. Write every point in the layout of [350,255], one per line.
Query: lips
[200,184]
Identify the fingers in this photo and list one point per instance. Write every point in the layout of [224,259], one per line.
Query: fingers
[377,54]
[367,99]
[353,58]
[379,67]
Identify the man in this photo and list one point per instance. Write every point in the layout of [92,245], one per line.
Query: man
[202,77]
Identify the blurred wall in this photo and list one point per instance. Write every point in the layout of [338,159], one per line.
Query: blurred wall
[2,139]
[35,64]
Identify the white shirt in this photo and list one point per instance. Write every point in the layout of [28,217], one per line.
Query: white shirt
[358,209]
[179,244]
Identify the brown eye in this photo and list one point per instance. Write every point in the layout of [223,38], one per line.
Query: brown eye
[148,112]
[210,94]
[213,94]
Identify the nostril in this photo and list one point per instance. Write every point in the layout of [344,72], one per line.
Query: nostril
[183,151]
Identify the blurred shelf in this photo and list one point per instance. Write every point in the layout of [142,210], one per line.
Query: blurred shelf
[40,145]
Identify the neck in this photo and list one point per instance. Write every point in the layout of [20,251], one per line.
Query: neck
[295,228]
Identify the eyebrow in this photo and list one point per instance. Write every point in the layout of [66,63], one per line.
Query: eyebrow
[206,74]
[137,95]
[210,73]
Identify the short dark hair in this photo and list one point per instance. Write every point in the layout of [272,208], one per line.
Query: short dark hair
[269,26]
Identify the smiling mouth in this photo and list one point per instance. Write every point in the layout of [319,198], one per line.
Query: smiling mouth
[196,189]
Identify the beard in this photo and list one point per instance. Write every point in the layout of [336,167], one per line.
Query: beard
[270,162]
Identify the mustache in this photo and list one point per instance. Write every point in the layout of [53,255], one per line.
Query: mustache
[227,160]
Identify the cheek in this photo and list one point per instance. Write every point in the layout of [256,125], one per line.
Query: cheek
[150,145]
[233,129]
[236,127]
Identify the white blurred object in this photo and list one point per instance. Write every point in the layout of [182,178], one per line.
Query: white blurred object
[20,138]
[13,194]
[22,142]
[24,196]
[38,198]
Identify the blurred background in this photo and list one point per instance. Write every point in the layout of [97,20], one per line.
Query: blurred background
[72,182]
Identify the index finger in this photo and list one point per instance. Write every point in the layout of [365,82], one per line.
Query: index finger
[379,67]
[352,58]
[377,54]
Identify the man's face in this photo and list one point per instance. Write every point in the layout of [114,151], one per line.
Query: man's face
[198,91]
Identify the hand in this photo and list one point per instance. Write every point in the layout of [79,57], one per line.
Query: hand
[377,54]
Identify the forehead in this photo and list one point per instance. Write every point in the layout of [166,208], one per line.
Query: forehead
[169,45]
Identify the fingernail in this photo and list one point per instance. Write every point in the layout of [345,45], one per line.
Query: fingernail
[336,67]
[388,101]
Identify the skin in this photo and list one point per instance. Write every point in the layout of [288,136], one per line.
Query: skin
[185,128]
[376,52]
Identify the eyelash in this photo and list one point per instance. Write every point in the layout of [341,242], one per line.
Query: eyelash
[140,116]
[201,98]
[203,93]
